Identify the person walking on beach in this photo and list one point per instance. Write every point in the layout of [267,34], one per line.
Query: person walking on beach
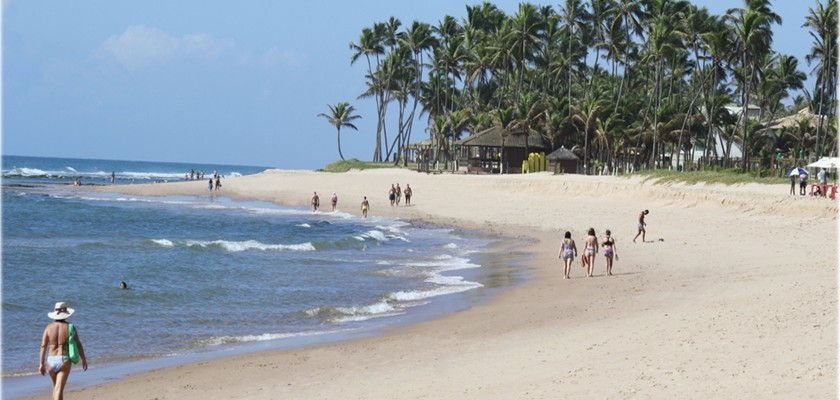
[407,195]
[334,201]
[316,202]
[210,184]
[610,251]
[56,338]
[590,251]
[218,182]
[113,177]
[365,207]
[399,194]
[642,226]
[392,194]
[568,253]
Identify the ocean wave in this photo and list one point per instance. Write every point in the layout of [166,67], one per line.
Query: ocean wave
[163,242]
[236,246]
[221,340]
[355,313]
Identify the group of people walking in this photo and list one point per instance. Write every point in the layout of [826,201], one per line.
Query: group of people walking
[569,252]
[395,194]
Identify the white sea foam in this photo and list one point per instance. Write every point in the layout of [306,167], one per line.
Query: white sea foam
[163,242]
[235,246]
[266,336]
[304,225]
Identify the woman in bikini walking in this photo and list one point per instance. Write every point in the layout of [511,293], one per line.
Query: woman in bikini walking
[568,252]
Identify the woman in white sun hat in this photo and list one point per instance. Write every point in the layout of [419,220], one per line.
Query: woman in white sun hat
[56,338]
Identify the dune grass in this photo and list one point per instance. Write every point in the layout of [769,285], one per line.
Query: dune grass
[346,165]
[725,177]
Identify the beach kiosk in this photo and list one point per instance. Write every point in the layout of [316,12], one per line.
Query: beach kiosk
[562,161]
[489,151]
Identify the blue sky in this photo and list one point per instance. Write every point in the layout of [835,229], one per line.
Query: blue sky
[214,82]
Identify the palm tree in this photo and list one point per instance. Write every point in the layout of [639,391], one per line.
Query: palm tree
[340,115]
[751,27]
[822,23]
[505,120]
[575,17]
[524,36]
[371,45]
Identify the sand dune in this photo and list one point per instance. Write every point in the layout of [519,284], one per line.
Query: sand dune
[734,296]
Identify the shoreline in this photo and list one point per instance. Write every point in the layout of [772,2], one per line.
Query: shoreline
[666,325]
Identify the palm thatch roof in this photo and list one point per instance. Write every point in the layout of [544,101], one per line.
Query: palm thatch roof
[793,120]
[492,137]
[562,154]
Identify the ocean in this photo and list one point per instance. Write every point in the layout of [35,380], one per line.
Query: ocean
[208,275]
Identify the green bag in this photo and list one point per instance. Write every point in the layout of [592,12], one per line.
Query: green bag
[72,347]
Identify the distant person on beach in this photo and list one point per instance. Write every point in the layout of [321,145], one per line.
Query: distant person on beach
[590,251]
[610,251]
[642,225]
[568,253]
[113,177]
[399,194]
[407,195]
[210,184]
[392,194]
[334,201]
[793,185]
[218,182]
[56,337]
[803,182]
[316,202]
[365,207]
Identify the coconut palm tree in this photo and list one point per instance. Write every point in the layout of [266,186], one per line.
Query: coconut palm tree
[822,23]
[341,115]
[751,28]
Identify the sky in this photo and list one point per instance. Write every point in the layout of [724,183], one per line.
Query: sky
[216,82]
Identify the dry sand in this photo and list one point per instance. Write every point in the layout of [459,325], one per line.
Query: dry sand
[737,300]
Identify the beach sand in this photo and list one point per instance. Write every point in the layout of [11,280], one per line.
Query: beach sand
[733,296]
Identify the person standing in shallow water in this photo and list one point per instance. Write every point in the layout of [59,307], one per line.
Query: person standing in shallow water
[568,253]
[56,338]
[316,201]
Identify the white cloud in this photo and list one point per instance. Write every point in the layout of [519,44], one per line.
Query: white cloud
[140,45]
[275,56]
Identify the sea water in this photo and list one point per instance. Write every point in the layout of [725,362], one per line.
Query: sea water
[207,273]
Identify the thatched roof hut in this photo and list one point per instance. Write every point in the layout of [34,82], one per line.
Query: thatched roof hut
[481,152]
[792,121]
[562,160]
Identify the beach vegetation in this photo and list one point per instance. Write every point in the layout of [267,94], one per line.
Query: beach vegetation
[725,176]
[626,85]
[353,163]
[341,115]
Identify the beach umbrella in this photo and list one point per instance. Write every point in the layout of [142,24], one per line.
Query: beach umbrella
[797,171]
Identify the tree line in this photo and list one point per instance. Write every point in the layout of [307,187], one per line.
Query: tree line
[615,81]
